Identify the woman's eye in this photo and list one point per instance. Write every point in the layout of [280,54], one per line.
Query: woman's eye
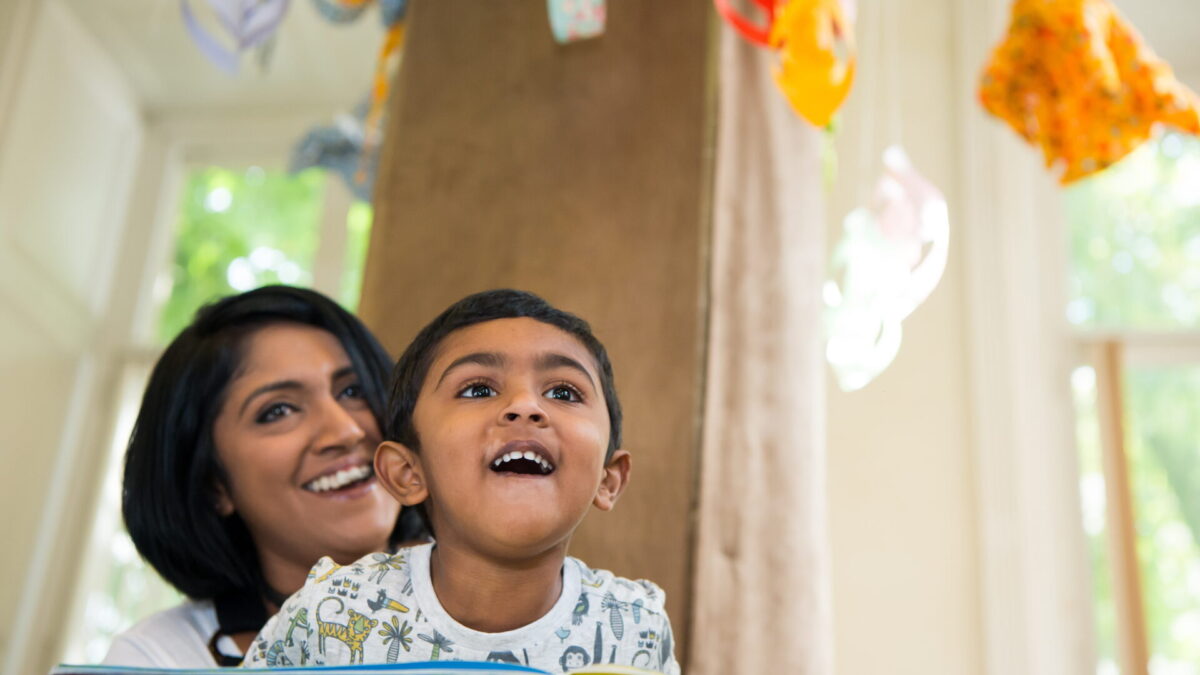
[563,393]
[477,390]
[274,412]
[352,391]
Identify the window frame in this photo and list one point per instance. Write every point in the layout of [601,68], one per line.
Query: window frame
[173,147]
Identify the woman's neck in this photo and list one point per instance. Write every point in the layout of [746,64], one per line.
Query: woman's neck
[282,575]
[491,596]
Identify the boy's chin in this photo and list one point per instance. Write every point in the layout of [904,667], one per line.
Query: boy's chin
[522,541]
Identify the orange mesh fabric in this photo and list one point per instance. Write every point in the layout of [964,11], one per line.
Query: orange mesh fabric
[1074,78]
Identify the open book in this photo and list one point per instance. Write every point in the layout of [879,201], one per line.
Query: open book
[424,668]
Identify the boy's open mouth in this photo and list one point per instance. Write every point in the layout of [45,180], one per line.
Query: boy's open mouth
[523,457]
[340,480]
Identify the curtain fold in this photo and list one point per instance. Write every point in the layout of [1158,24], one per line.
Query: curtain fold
[761,581]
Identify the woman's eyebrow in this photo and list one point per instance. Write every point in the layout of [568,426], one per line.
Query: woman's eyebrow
[554,360]
[487,359]
[267,388]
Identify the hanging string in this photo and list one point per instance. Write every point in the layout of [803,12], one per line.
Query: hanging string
[893,102]
[870,85]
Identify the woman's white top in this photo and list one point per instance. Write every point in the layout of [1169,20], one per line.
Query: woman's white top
[173,638]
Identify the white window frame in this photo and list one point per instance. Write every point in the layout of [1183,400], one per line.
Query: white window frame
[1038,610]
[174,146]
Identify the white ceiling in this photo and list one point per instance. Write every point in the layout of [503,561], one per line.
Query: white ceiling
[1172,29]
[314,63]
[319,65]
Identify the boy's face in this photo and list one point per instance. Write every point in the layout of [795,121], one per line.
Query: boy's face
[513,429]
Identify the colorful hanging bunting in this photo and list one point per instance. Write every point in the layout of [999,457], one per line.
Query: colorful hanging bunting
[351,146]
[1074,78]
[342,149]
[817,56]
[890,258]
[815,42]
[245,23]
[572,20]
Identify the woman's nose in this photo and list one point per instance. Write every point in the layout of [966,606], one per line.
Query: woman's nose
[338,428]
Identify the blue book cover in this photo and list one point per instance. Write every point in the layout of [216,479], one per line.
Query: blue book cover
[423,668]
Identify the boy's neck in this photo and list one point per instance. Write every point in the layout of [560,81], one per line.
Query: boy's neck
[494,596]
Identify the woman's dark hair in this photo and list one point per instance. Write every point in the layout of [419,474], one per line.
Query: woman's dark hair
[487,306]
[171,465]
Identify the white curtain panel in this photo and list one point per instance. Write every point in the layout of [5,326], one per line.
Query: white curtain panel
[762,588]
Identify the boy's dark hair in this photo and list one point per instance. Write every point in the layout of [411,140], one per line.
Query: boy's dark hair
[171,465]
[488,306]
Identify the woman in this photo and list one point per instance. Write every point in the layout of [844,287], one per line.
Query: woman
[252,458]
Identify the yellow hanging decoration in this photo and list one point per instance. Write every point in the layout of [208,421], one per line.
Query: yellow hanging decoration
[1074,78]
[816,57]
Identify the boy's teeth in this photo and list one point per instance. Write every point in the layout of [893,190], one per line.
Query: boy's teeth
[340,479]
[527,455]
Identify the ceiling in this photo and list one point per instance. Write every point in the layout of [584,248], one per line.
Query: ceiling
[1172,29]
[320,65]
[314,63]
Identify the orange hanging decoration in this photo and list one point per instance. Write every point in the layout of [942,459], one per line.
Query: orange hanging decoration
[1074,78]
[816,57]
[815,41]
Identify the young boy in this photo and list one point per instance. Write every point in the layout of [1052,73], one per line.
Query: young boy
[503,428]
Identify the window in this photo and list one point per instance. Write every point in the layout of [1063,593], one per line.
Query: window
[235,228]
[1135,297]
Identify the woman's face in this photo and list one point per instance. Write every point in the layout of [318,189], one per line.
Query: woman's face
[297,439]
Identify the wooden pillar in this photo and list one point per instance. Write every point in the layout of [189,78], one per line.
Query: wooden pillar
[580,173]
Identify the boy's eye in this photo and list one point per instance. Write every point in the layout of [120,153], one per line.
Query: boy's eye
[274,412]
[563,393]
[477,390]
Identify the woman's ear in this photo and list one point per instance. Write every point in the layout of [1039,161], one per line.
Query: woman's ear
[221,501]
[613,481]
[399,471]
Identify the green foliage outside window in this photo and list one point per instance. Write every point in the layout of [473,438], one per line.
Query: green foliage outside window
[238,230]
[1135,266]
[358,237]
[1135,240]
[1163,446]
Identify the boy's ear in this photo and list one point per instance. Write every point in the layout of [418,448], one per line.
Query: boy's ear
[614,480]
[399,471]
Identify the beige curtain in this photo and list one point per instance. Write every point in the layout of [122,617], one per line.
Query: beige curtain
[761,591]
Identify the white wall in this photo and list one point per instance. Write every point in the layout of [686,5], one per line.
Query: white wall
[902,497]
[957,539]
[71,137]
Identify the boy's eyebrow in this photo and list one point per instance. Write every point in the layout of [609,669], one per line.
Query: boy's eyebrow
[552,360]
[488,359]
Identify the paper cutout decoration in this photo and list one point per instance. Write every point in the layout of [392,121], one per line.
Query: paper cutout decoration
[391,14]
[351,145]
[890,258]
[1074,78]
[341,148]
[572,20]
[246,24]
[815,42]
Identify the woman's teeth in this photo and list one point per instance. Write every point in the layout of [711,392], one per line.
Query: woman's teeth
[339,480]
[501,462]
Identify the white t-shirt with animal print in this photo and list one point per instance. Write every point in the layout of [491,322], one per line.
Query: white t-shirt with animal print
[383,609]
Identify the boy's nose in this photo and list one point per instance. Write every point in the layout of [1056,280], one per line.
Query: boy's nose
[513,416]
[524,406]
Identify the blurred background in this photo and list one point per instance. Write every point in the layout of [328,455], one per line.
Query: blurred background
[138,180]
